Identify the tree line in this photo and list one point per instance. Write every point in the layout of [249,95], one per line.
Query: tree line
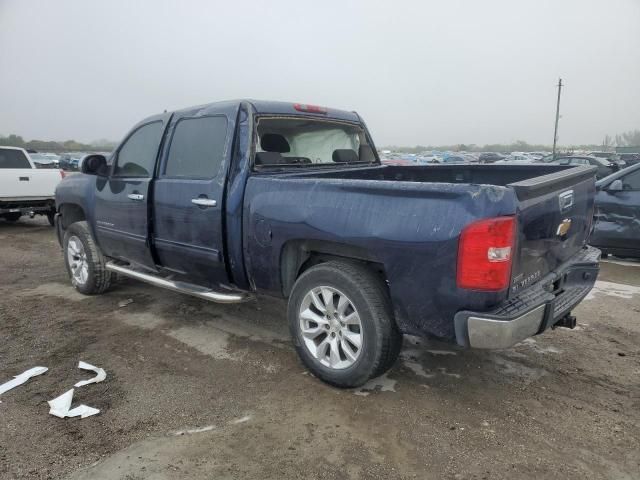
[55,146]
[631,138]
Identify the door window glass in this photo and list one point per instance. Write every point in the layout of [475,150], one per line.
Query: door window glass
[631,181]
[197,147]
[137,156]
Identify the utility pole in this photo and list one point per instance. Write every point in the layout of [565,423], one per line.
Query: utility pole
[555,132]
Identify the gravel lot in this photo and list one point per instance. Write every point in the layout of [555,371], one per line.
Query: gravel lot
[198,390]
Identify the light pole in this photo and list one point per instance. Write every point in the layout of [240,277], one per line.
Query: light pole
[555,131]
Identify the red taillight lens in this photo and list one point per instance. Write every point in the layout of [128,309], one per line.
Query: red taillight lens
[62,174]
[485,253]
[301,107]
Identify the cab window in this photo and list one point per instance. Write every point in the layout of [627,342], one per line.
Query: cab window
[137,156]
[197,147]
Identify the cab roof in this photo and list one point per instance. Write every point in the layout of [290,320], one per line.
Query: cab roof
[264,107]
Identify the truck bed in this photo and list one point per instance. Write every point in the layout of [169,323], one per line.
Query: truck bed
[500,175]
[409,219]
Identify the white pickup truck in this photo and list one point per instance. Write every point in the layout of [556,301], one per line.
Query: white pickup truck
[25,189]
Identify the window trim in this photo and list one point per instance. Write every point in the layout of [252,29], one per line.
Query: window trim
[116,159]
[165,160]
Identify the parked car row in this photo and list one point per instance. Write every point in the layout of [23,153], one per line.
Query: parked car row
[604,166]
[45,160]
[70,161]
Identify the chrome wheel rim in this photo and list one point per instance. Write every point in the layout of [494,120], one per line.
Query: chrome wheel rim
[331,328]
[77,259]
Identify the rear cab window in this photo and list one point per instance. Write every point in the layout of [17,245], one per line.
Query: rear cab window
[11,158]
[307,142]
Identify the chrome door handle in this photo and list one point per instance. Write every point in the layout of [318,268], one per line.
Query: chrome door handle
[204,202]
[136,196]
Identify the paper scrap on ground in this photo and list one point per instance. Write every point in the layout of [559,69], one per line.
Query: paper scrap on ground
[22,378]
[126,302]
[61,407]
[100,374]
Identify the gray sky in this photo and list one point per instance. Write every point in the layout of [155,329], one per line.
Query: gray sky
[423,72]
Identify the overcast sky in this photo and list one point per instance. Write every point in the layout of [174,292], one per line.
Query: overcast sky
[423,72]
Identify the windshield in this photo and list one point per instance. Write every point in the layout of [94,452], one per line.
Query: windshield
[286,141]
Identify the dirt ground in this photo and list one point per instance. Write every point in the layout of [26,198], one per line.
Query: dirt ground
[197,390]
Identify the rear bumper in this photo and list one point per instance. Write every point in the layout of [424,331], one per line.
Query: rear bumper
[26,205]
[534,310]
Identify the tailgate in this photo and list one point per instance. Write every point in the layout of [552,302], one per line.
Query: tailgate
[555,213]
[25,182]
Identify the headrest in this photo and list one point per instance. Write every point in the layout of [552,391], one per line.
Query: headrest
[344,155]
[269,158]
[274,142]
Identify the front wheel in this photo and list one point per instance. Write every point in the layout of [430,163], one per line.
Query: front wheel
[84,261]
[341,323]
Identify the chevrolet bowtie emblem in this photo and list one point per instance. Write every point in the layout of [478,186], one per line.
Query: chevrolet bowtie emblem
[564,227]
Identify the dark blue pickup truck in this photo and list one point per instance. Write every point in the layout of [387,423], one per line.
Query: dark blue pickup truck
[229,199]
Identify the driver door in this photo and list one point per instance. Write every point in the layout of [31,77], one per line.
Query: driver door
[122,208]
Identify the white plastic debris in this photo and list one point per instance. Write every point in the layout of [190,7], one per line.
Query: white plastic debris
[22,378]
[100,374]
[61,407]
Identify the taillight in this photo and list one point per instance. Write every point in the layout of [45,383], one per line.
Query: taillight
[485,254]
[301,107]
[62,174]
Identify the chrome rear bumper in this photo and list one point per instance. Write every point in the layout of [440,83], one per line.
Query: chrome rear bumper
[533,311]
[489,333]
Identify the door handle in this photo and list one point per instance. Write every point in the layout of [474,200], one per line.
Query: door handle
[204,202]
[136,196]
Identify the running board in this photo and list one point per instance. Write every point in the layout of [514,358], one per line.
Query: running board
[182,287]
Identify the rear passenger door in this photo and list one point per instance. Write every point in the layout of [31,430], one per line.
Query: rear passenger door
[189,195]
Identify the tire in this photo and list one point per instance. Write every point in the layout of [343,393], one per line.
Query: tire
[12,216]
[51,217]
[337,359]
[90,277]
[604,255]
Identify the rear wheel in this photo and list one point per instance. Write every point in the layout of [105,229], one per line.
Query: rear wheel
[51,217]
[341,323]
[12,216]
[84,261]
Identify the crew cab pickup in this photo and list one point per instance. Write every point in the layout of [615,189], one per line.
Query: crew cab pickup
[231,199]
[25,189]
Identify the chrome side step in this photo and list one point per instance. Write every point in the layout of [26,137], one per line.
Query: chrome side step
[182,287]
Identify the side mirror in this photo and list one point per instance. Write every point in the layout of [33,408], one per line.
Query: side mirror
[615,186]
[94,165]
